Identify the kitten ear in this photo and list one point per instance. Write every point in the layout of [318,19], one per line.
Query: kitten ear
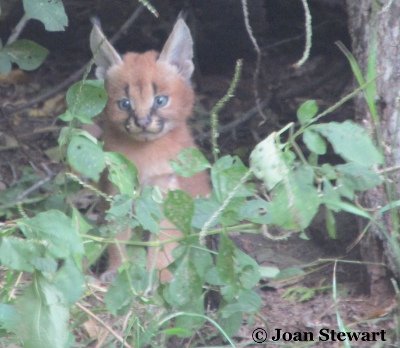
[178,50]
[105,55]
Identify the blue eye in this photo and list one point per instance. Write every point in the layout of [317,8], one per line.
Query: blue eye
[160,101]
[124,104]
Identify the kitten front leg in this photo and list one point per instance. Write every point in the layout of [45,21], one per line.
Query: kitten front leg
[116,251]
[116,255]
[159,258]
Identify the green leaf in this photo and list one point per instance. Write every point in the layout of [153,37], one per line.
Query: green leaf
[314,142]
[307,111]
[247,302]
[328,171]
[121,207]
[204,208]
[299,294]
[231,213]
[43,316]
[5,63]
[67,116]
[122,173]
[202,261]
[351,141]
[118,298]
[247,269]
[189,162]
[86,157]
[79,222]
[70,281]
[93,250]
[287,208]
[358,177]
[196,305]
[46,264]
[254,210]
[350,208]
[226,261]
[289,273]
[212,277]
[17,254]
[330,194]
[147,211]
[330,223]
[54,230]
[269,271]
[185,286]
[179,208]
[231,324]
[268,162]
[27,54]
[50,12]
[226,174]
[370,88]
[86,99]
[8,317]
[178,331]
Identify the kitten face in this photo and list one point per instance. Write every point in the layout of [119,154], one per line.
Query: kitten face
[147,97]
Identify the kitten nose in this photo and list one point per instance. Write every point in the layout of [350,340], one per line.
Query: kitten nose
[143,121]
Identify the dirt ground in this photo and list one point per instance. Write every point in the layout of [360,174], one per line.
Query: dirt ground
[29,130]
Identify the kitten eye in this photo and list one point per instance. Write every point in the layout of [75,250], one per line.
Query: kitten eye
[124,104]
[160,101]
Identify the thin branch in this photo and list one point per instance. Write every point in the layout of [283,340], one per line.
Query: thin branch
[308,28]
[387,6]
[232,125]
[259,57]
[107,327]
[287,94]
[18,29]
[150,7]
[38,184]
[220,104]
[217,213]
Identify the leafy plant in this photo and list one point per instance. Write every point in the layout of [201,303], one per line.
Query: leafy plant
[27,54]
[49,246]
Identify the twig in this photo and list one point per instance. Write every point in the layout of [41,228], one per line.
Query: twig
[37,185]
[150,7]
[48,129]
[88,186]
[14,289]
[232,125]
[268,235]
[387,6]
[108,328]
[308,28]
[286,95]
[217,213]
[18,29]
[220,104]
[122,31]
[259,57]
[77,74]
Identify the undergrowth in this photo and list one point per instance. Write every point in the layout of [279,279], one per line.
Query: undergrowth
[49,296]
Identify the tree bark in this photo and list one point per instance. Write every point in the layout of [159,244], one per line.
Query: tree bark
[367,17]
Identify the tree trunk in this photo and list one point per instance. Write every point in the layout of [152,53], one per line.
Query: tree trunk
[367,17]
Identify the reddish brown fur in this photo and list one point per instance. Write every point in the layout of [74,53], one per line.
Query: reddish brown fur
[141,72]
